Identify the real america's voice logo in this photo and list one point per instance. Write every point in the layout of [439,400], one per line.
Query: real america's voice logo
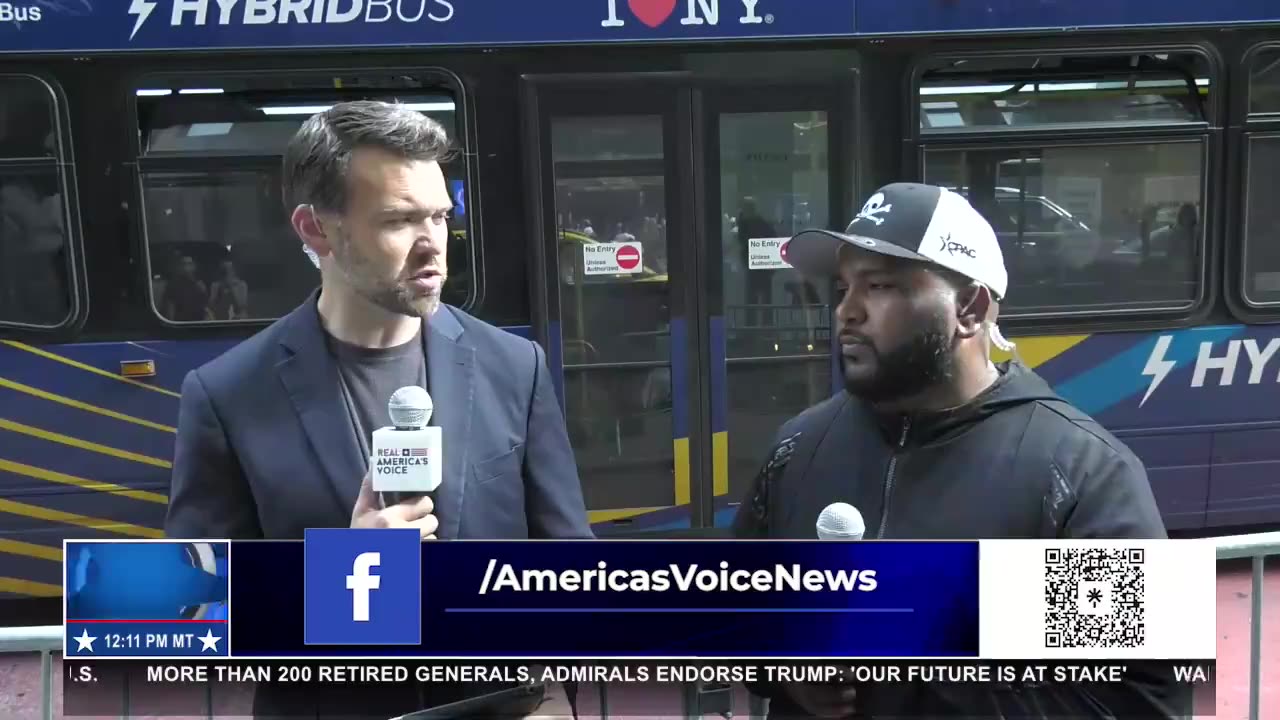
[362,587]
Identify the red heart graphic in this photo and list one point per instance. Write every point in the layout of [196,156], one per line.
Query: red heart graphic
[652,12]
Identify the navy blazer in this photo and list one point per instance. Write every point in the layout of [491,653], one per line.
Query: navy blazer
[265,446]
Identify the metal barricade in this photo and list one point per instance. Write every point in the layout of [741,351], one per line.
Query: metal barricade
[1255,547]
[47,640]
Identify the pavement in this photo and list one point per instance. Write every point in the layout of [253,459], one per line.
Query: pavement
[20,678]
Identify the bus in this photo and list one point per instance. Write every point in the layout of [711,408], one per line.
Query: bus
[630,172]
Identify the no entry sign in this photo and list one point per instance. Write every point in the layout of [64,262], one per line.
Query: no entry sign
[612,258]
[628,257]
[767,253]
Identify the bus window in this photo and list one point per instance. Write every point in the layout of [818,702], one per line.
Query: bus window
[1075,222]
[1046,91]
[220,246]
[1262,222]
[611,187]
[1261,284]
[1100,223]
[35,258]
[1264,83]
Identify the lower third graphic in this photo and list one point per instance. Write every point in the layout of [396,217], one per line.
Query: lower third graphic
[146,598]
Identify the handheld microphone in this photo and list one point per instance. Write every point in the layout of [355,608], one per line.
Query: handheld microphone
[840,521]
[407,456]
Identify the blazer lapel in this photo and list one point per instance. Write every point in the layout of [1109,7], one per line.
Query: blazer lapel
[310,376]
[450,363]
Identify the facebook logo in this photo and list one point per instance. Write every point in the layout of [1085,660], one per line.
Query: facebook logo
[362,587]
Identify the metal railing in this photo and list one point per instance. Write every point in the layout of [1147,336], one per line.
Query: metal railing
[47,640]
[1255,547]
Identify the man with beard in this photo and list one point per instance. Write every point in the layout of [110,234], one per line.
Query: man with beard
[273,436]
[931,440]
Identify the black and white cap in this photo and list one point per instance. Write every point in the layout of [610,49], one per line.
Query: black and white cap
[918,222]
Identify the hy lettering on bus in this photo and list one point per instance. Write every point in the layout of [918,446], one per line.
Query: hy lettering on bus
[697,12]
[1216,359]
[285,12]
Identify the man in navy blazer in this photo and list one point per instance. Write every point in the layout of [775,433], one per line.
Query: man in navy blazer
[273,435]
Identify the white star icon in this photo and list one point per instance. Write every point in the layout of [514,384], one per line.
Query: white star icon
[209,641]
[84,641]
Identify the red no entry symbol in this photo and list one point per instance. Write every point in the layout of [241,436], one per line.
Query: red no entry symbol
[628,257]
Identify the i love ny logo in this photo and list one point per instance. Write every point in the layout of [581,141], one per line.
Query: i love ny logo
[655,13]
[652,12]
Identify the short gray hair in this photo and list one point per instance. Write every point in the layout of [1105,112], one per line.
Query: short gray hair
[317,158]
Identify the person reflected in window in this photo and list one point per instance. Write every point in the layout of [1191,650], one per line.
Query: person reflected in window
[751,226]
[186,298]
[229,295]
[1175,245]
[35,262]
[653,244]
[620,234]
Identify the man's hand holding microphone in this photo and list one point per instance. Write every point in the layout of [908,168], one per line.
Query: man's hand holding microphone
[413,512]
[406,459]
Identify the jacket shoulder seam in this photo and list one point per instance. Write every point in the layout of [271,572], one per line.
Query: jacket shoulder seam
[1086,425]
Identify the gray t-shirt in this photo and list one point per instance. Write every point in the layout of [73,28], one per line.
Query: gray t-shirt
[371,375]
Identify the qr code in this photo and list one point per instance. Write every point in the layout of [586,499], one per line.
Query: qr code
[1094,598]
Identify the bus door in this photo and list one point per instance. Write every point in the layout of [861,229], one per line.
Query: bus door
[680,338]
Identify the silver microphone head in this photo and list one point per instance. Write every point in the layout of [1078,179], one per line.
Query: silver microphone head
[840,521]
[410,407]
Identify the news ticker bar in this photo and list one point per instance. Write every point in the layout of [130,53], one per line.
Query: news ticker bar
[225,687]
[384,593]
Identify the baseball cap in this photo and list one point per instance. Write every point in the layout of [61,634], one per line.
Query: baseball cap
[925,223]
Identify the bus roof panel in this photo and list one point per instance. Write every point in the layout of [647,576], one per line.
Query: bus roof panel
[102,26]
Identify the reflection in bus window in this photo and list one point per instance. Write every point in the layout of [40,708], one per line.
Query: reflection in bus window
[221,246]
[35,275]
[1100,226]
[218,235]
[615,312]
[1264,83]
[1002,93]
[774,182]
[1262,222]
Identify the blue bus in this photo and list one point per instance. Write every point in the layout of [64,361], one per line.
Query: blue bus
[1126,153]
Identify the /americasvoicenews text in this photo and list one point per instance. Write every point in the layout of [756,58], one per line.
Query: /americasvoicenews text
[500,577]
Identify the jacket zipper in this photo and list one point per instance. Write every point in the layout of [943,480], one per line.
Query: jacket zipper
[888,478]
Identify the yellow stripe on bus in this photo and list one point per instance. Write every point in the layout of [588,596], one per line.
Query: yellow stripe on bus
[79,405]
[1036,351]
[88,368]
[599,516]
[29,587]
[82,444]
[43,513]
[683,483]
[18,547]
[92,485]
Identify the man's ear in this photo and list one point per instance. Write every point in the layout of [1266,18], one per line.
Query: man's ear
[307,225]
[973,304]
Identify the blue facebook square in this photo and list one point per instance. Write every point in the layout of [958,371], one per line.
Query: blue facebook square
[362,587]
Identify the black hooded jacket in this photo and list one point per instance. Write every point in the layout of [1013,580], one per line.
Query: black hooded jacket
[1016,462]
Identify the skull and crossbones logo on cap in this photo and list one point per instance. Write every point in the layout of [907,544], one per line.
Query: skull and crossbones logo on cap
[874,208]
